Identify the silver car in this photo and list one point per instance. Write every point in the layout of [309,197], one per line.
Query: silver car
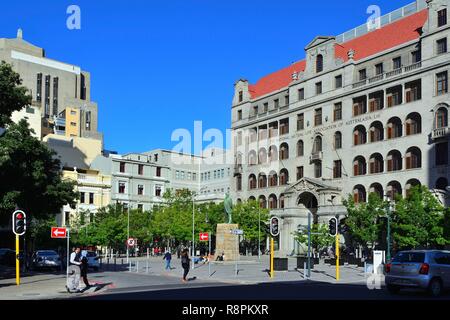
[46,259]
[93,260]
[422,269]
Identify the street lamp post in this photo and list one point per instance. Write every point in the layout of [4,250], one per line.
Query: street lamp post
[193,225]
[259,233]
[128,234]
[388,214]
[309,244]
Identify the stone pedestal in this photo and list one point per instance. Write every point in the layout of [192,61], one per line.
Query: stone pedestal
[227,242]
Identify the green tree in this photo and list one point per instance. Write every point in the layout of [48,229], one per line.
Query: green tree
[418,220]
[13,96]
[252,219]
[320,237]
[362,219]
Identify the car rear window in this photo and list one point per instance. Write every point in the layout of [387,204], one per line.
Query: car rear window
[417,257]
[91,254]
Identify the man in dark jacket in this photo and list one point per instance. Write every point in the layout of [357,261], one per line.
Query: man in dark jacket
[168,258]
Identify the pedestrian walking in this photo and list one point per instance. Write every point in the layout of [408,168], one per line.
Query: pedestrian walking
[73,279]
[168,258]
[185,263]
[84,269]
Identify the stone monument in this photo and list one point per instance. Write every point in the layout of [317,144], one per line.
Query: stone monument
[226,242]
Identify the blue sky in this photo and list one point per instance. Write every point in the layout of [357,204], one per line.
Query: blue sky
[161,65]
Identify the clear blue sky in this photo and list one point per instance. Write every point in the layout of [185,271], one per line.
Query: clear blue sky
[160,65]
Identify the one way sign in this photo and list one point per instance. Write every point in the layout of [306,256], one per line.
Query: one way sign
[204,236]
[59,232]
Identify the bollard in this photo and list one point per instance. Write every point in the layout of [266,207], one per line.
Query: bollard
[129,268]
[137,266]
[304,270]
[121,263]
[114,263]
[147,266]
[107,263]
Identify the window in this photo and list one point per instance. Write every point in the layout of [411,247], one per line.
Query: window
[222,173]
[318,169]
[284,126]
[55,96]
[140,207]
[239,138]
[338,82]
[413,91]
[442,17]
[241,96]
[379,69]
[337,114]
[121,187]
[319,63]
[286,100]
[91,198]
[73,112]
[194,176]
[266,107]
[441,46]
[255,110]
[177,174]
[397,63]
[158,191]
[337,169]
[122,167]
[39,87]
[239,114]
[337,140]
[416,56]
[238,182]
[284,151]
[442,83]
[82,197]
[317,146]
[88,120]
[359,106]
[73,124]
[442,153]
[47,96]
[140,190]
[276,104]
[158,171]
[141,169]
[156,157]
[362,74]
[318,117]
[300,148]
[319,87]
[300,172]
[300,122]
[301,94]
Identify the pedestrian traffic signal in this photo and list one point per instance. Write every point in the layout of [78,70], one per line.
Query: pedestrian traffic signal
[19,222]
[333,226]
[274,229]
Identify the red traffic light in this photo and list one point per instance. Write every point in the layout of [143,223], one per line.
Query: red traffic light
[19,216]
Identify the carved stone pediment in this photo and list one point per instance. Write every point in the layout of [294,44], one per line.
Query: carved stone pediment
[309,184]
[318,41]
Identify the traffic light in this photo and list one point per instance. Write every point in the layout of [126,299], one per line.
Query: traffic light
[274,229]
[19,223]
[332,226]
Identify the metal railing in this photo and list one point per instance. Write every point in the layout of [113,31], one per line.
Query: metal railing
[440,132]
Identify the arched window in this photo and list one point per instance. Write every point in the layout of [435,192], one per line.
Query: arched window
[273,202]
[410,184]
[273,179]
[359,135]
[300,148]
[441,183]
[252,160]
[252,182]
[262,202]
[319,63]
[377,189]
[394,160]
[239,201]
[359,194]
[273,153]
[284,177]
[337,140]
[284,151]
[394,128]
[262,180]
[441,118]
[413,158]
[251,198]
[262,155]
[359,166]
[281,201]
[376,163]
[376,131]
[394,189]
[239,182]
[317,147]
[413,124]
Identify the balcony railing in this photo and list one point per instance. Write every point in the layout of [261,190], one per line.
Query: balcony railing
[376,78]
[360,83]
[393,73]
[315,156]
[413,66]
[440,132]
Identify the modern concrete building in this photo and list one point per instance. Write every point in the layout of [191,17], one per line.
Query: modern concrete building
[366,111]
[60,92]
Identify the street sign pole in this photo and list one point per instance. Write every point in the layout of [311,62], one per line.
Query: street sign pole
[17,261]
[337,254]
[68,256]
[271,257]
[309,244]
[209,256]
[237,254]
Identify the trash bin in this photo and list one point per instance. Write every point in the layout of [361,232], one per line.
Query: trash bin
[333,262]
[280,264]
[302,260]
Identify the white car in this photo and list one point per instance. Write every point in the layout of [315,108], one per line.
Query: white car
[93,260]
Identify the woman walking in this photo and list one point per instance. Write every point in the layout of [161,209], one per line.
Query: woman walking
[185,263]
[84,269]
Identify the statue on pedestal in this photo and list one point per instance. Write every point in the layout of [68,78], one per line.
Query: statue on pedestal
[228,203]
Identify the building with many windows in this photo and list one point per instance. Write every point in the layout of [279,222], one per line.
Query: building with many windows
[366,111]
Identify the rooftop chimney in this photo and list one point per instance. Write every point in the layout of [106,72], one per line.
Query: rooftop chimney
[19,34]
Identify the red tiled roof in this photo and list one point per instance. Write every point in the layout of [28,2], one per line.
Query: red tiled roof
[387,37]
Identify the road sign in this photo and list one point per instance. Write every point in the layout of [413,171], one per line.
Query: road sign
[237,231]
[131,242]
[59,232]
[204,236]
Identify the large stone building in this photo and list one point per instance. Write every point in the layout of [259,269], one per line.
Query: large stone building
[366,111]
[61,92]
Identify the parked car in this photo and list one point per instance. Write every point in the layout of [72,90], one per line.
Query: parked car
[7,257]
[46,259]
[93,260]
[423,269]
